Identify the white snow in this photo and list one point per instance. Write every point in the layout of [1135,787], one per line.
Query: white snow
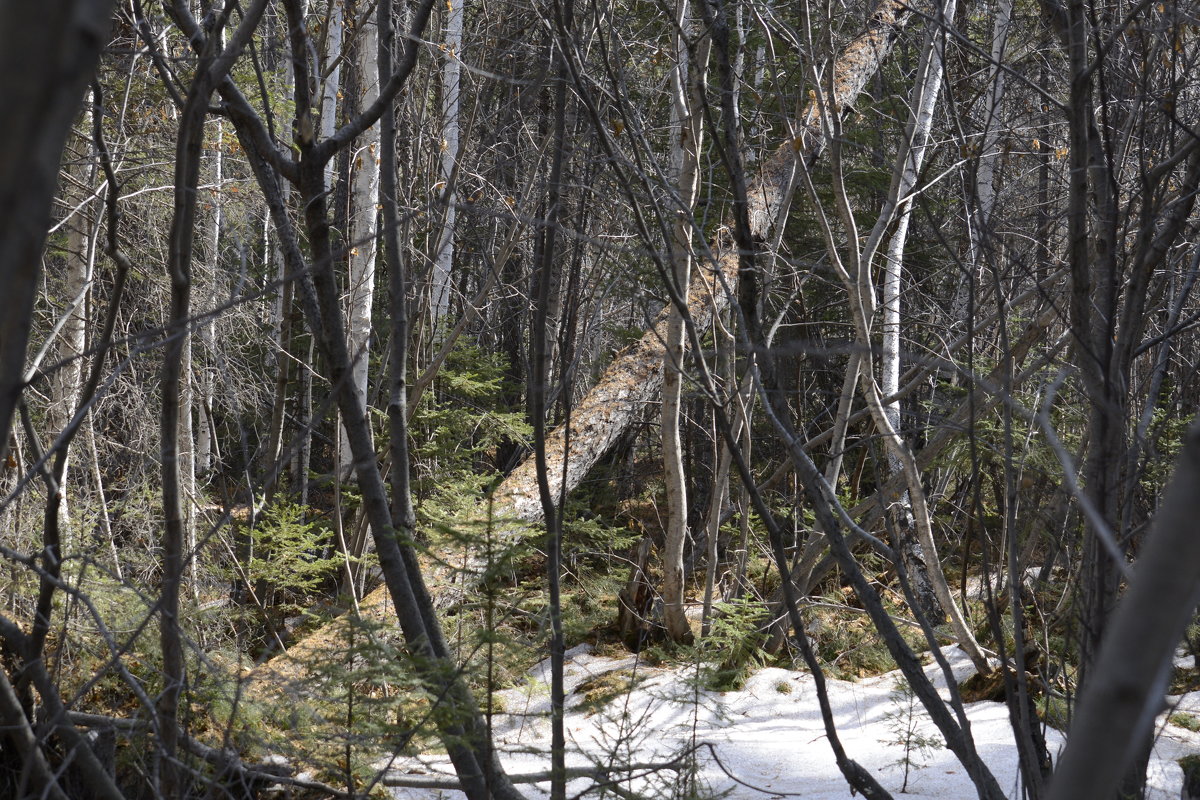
[765,741]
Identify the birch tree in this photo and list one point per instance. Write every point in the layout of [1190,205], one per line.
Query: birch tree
[204,374]
[853,265]
[331,69]
[364,228]
[926,89]
[79,190]
[443,260]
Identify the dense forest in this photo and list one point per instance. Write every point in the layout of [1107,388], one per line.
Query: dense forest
[355,357]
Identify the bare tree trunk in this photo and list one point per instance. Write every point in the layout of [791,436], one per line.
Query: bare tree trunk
[281,331]
[48,53]
[913,547]
[841,422]
[186,443]
[211,69]
[1125,691]
[540,370]
[82,234]
[172,775]
[979,223]
[332,69]
[687,89]
[443,260]
[364,229]
[207,333]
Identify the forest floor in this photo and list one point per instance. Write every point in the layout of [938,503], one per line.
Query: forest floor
[763,741]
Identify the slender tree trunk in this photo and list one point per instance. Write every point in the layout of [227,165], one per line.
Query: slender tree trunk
[841,422]
[924,102]
[186,443]
[687,89]
[332,69]
[172,774]
[281,333]
[540,369]
[739,404]
[443,260]
[207,332]
[80,258]
[364,229]
[212,68]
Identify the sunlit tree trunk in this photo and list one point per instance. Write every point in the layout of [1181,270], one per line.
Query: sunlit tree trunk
[332,69]
[187,454]
[924,103]
[206,333]
[80,260]
[443,261]
[980,241]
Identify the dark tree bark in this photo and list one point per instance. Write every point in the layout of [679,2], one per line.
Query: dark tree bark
[1125,692]
[48,54]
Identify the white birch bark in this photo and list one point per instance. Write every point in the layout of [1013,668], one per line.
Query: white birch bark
[985,173]
[857,280]
[364,201]
[925,98]
[187,459]
[80,261]
[207,332]
[914,550]
[333,78]
[443,260]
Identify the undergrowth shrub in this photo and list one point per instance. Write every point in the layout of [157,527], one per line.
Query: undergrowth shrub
[733,648]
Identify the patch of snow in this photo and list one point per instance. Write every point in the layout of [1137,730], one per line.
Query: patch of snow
[765,741]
